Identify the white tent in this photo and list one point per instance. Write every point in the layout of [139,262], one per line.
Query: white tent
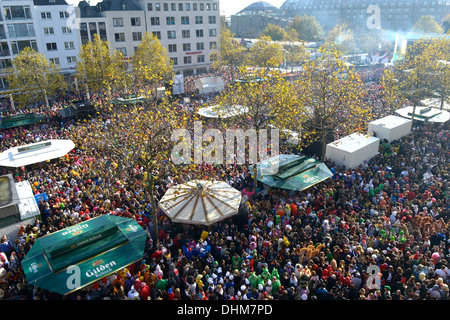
[35,152]
[200,202]
[209,84]
[178,84]
[17,203]
[424,114]
[218,111]
[436,103]
[390,128]
[352,150]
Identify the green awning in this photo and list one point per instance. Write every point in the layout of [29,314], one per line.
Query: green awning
[291,172]
[129,98]
[77,256]
[20,120]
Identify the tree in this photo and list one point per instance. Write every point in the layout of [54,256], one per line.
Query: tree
[265,53]
[438,53]
[307,27]
[263,92]
[229,51]
[136,142]
[410,81]
[151,63]
[372,40]
[427,24]
[276,33]
[35,77]
[99,67]
[294,51]
[328,98]
[342,37]
[446,24]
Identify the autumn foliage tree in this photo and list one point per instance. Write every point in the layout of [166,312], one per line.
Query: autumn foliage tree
[100,68]
[34,77]
[151,64]
[328,98]
[411,80]
[265,53]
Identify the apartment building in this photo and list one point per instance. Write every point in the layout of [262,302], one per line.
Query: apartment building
[187,29]
[57,36]
[41,25]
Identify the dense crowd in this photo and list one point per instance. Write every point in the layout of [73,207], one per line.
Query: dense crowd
[318,244]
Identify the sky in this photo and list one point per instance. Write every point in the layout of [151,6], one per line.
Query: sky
[228,6]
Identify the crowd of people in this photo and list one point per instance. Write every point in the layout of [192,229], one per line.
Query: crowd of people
[319,244]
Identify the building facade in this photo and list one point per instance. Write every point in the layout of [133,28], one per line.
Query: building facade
[41,25]
[187,29]
[253,19]
[394,15]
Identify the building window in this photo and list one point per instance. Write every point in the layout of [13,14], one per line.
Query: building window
[198,19]
[184,20]
[187,60]
[157,34]
[17,12]
[21,30]
[157,6]
[215,7]
[186,33]
[51,46]
[174,61]
[212,32]
[186,47]
[66,30]
[54,60]
[5,63]
[188,7]
[199,33]
[46,15]
[180,7]
[194,6]
[200,46]
[166,6]
[137,36]
[118,22]
[102,31]
[212,45]
[202,7]
[149,6]
[173,7]
[212,19]
[208,6]
[154,21]
[171,34]
[18,46]
[49,31]
[63,15]
[68,45]
[120,37]
[170,20]
[123,51]
[92,29]
[72,59]
[200,58]
[136,22]
[172,48]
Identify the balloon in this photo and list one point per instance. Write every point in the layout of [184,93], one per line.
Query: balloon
[35,183]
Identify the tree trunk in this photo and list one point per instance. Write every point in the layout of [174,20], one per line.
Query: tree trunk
[153,202]
[324,144]
[414,111]
[47,105]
